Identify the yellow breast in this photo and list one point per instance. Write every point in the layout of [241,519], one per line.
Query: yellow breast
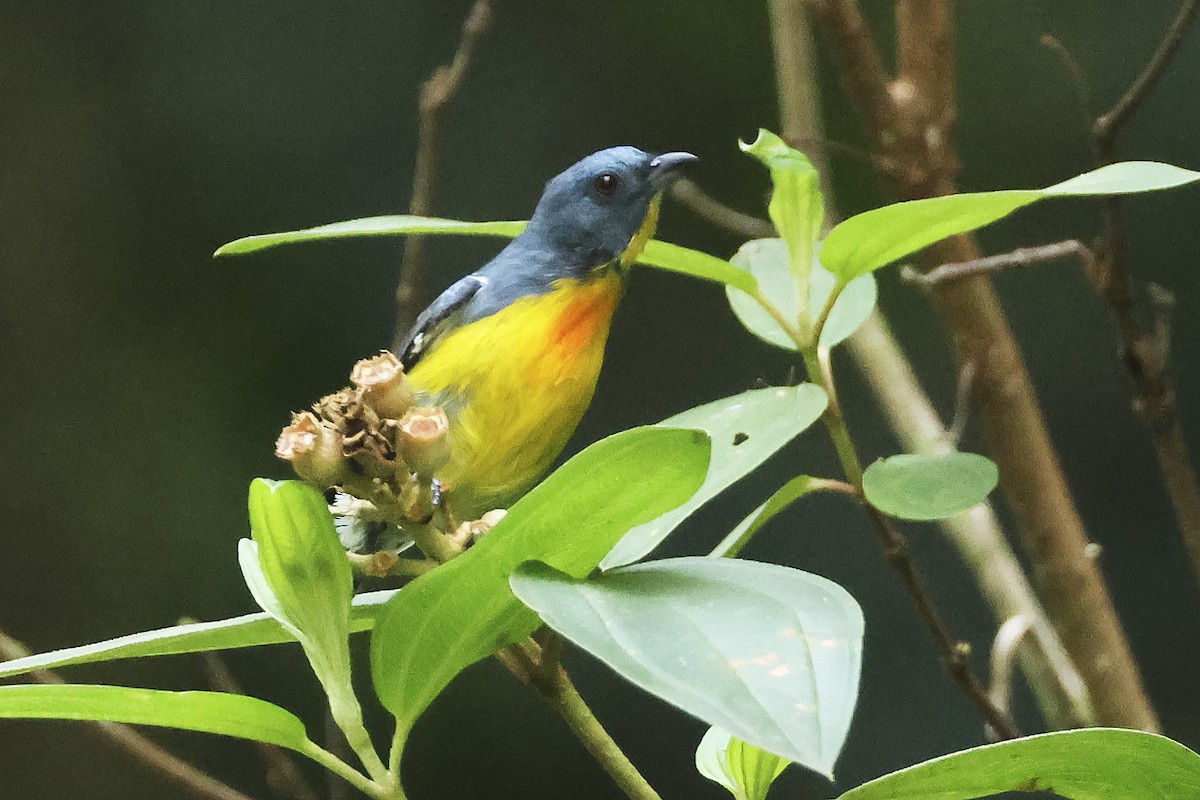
[515,385]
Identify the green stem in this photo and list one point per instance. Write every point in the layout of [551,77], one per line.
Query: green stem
[347,713]
[562,696]
[352,776]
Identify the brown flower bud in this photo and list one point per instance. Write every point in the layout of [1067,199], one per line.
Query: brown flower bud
[384,384]
[314,450]
[424,439]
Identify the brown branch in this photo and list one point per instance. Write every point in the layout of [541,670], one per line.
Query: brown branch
[436,94]
[863,72]
[1108,124]
[197,782]
[1144,348]
[1021,257]
[707,207]
[1031,476]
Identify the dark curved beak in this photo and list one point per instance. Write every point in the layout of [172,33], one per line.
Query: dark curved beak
[667,168]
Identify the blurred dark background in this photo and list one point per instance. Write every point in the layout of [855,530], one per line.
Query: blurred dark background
[143,384]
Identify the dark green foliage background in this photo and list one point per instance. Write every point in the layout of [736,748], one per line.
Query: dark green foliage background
[143,384]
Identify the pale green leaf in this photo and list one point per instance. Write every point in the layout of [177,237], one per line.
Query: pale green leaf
[873,239]
[767,261]
[304,579]
[745,429]
[249,630]
[745,770]
[797,208]
[463,611]
[928,486]
[768,653]
[1090,764]
[207,712]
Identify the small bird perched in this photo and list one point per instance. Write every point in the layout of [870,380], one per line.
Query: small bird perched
[512,351]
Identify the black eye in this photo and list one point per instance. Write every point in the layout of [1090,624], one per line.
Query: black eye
[606,183]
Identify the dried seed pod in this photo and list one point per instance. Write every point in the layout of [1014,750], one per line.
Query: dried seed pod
[363,439]
[424,439]
[384,384]
[314,450]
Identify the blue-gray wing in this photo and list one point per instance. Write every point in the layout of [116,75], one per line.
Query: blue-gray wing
[436,319]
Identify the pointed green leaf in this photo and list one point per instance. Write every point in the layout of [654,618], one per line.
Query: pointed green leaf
[745,770]
[746,429]
[873,239]
[207,712]
[249,630]
[657,254]
[784,496]
[370,226]
[298,572]
[928,486]
[767,261]
[797,208]
[769,653]
[664,255]
[1090,764]
[463,611]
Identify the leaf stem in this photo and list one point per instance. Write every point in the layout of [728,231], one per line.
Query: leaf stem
[352,776]
[953,652]
[560,692]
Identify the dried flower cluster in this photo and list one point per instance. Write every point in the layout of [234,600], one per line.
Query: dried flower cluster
[373,442]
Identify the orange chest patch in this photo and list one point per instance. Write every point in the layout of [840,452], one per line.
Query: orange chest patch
[584,317]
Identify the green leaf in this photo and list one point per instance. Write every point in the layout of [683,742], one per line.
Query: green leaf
[1091,764]
[745,429]
[797,208]
[784,496]
[745,770]
[928,486]
[873,239]
[664,255]
[370,226]
[657,254]
[768,653]
[249,630]
[463,611]
[207,712]
[767,261]
[298,572]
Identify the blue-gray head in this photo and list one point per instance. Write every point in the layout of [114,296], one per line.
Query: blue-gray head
[595,207]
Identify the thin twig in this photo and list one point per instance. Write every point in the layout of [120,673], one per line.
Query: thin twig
[954,654]
[436,94]
[1083,91]
[1021,257]
[1144,348]
[1108,124]
[704,205]
[1004,651]
[962,402]
[193,779]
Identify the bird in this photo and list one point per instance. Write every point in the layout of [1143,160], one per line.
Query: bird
[512,351]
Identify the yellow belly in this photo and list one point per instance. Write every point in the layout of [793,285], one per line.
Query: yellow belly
[515,385]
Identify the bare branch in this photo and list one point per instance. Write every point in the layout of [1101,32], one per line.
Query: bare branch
[866,78]
[1106,127]
[436,95]
[704,205]
[1144,349]
[1004,651]
[1021,257]
[199,783]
